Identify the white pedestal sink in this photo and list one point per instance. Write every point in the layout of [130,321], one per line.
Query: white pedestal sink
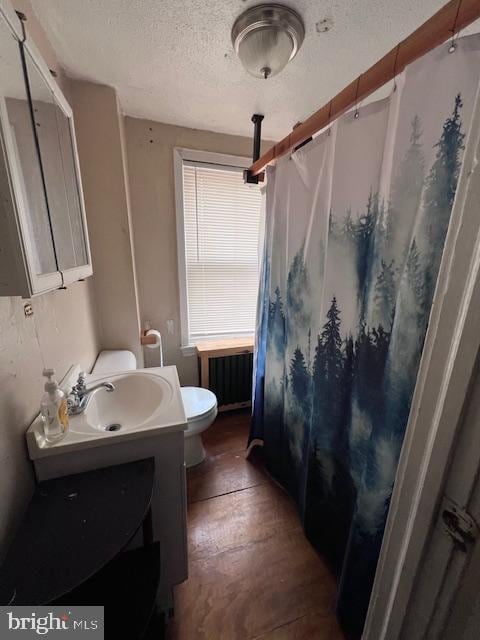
[142,418]
[145,402]
[140,401]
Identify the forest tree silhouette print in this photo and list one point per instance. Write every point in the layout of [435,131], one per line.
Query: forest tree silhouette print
[335,415]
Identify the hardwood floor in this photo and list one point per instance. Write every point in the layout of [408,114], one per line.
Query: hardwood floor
[252,573]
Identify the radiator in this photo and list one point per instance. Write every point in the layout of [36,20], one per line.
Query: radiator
[227,370]
[230,379]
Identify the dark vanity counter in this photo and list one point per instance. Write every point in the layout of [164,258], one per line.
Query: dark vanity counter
[68,548]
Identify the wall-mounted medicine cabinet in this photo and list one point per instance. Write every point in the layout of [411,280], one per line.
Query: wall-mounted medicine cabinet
[43,231]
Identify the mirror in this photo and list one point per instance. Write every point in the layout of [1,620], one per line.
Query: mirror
[20,147]
[67,150]
[54,134]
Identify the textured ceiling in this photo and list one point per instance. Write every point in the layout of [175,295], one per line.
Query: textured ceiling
[172,60]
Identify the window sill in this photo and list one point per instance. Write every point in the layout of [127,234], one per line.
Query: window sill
[239,344]
[189,350]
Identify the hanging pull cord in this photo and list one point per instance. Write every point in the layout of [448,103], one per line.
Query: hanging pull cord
[395,68]
[453,44]
[357,113]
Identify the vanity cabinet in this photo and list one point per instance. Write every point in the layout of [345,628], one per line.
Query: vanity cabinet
[43,231]
[169,499]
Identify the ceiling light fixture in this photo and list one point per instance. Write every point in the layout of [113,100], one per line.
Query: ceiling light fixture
[266,37]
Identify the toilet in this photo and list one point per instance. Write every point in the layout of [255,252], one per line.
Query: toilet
[200,404]
[114,361]
[201,410]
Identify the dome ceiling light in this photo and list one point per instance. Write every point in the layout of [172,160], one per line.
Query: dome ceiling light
[266,37]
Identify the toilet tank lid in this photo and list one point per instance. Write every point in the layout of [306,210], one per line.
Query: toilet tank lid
[197,401]
[111,361]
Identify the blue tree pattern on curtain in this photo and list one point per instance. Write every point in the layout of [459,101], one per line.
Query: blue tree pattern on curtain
[337,400]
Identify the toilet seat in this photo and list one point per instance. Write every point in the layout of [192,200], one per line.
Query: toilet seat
[198,403]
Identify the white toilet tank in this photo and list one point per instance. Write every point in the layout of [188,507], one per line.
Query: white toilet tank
[111,361]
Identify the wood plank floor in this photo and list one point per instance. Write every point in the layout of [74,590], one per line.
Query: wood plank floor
[252,573]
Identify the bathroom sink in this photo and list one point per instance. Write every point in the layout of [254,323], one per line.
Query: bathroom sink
[139,399]
[143,417]
[144,403]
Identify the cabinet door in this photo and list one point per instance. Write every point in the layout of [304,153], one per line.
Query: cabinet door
[58,158]
[23,195]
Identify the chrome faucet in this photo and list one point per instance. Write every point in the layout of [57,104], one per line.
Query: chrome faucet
[79,398]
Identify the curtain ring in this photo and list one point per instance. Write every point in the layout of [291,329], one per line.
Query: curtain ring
[293,149]
[395,68]
[453,44]
[357,114]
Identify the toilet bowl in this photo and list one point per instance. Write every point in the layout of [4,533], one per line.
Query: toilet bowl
[200,404]
[201,410]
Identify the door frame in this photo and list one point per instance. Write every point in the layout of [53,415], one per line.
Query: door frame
[446,368]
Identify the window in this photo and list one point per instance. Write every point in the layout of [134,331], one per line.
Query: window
[218,224]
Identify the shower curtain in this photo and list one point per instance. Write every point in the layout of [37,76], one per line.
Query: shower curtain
[355,228]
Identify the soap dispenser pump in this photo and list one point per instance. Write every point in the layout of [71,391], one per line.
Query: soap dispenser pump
[53,409]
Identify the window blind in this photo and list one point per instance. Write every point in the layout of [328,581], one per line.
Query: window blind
[222,218]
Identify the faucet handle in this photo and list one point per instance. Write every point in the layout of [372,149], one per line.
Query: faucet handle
[81,384]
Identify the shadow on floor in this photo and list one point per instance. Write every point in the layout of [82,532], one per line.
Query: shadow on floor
[252,573]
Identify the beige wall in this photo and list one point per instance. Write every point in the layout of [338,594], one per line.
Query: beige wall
[61,332]
[99,129]
[150,166]
[103,312]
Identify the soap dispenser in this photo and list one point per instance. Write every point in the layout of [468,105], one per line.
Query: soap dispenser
[53,409]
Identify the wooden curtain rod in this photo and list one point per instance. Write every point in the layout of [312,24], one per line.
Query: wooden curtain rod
[449,20]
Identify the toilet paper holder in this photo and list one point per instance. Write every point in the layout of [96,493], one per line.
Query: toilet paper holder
[145,339]
[152,339]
